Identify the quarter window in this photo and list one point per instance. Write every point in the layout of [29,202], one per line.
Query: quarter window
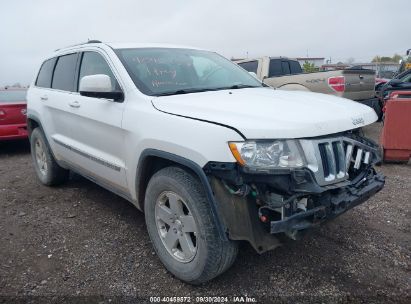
[92,64]
[295,67]
[46,73]
[64,73]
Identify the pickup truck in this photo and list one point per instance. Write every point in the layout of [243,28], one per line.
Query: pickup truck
[287,74]
[208,153]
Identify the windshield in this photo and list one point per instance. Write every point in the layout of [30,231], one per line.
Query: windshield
[168,71]
[18,95]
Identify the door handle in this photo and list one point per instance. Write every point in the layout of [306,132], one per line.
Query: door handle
[44,97]
[74,104]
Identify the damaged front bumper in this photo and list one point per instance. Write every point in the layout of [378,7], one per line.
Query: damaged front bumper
[339,202]
[259,207]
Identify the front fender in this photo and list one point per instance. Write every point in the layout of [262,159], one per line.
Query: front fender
[185,163]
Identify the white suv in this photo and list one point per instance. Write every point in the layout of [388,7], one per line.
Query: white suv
[210,154]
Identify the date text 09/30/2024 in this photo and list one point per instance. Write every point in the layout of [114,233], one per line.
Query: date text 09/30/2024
[200,299]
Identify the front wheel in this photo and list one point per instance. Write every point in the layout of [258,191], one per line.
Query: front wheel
[47,169]
[182,229]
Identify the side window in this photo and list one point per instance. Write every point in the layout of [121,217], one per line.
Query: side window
[285,67]
[295,67]
[275,68]
[46,73]
[250,66]
[93,63]
[64,73]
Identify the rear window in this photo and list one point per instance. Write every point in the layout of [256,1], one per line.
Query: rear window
[275,68]
[45,74]
[250,66]
[64,73]
[19,95]
[295,67]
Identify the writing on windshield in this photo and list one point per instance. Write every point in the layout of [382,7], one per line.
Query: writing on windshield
[157,71]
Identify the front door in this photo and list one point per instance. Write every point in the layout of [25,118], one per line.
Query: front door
[97,145]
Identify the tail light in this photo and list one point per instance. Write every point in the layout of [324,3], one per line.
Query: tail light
[337,83]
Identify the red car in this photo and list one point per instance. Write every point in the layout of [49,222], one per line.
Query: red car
[13,108]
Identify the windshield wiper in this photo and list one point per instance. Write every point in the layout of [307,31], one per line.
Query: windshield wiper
[186,91]
[242,86]
[197,90]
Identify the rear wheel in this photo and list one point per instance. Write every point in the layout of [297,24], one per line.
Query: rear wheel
[47,169]
[182,228]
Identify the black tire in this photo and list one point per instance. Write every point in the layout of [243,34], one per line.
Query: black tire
[52,174]
[214,255]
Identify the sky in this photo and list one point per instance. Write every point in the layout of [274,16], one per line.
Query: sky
[360,29]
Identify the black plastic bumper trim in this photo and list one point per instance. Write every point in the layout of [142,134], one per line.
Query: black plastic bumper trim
[348,198]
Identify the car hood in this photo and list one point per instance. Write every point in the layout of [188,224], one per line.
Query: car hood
[267,113]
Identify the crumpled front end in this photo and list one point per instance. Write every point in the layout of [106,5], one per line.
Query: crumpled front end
[315,209]
[261,206]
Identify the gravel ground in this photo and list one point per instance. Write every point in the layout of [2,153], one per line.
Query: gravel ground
[82,243]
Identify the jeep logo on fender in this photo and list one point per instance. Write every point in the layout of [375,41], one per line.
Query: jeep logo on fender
[357,121]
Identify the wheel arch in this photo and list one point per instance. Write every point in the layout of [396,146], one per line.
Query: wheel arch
[294,87]
[152,160]
[32,123]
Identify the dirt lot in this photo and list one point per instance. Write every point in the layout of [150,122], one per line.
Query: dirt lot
[82,243]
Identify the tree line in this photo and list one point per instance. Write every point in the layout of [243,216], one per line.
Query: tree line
[396,58]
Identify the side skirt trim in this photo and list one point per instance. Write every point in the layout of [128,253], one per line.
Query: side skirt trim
[89,156]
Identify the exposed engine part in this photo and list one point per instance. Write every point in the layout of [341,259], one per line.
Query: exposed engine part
[274,200]
[242,191]
[240,216]
[302,204]
[289,208]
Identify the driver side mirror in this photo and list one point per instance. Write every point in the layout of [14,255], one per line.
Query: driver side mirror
[99,86]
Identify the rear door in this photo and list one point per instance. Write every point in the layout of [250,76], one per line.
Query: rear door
[50,96]
[277,71]
[97,142]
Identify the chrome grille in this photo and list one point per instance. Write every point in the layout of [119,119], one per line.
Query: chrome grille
[331,159]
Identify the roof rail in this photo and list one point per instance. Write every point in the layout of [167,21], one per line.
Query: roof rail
[94,41]
[89,41]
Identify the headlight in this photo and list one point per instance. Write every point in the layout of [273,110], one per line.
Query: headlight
[268,154]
